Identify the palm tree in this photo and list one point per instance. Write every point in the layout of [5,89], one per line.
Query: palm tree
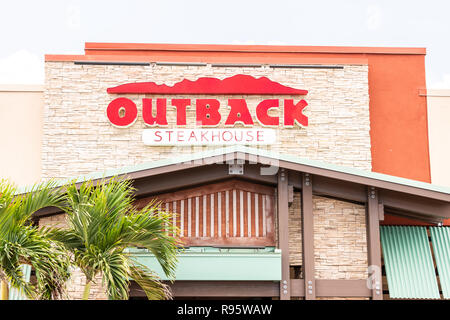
[102,224]
[23,243]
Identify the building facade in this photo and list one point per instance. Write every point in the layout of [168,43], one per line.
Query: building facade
[292,172]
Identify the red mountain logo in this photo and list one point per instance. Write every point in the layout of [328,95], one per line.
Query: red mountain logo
[235,85]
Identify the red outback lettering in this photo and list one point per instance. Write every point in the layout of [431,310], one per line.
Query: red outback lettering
[262,109]
[181,105]
[122,112]
[293,112]
[238,113]
[161,112]
[207,111]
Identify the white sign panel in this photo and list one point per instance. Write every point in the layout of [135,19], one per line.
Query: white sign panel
[197,137]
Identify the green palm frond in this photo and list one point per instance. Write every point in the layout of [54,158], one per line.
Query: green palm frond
[23,243]
[103,222]
[41,196]
[115,271]
[153,288]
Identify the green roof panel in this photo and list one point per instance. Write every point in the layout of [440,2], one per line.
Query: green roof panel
[440,238]
[408,262]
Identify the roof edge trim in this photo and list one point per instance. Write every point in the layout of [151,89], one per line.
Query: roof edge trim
[107,46]
[203,60]
[445,191]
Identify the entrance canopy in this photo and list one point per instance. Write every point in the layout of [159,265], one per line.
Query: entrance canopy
[243,175]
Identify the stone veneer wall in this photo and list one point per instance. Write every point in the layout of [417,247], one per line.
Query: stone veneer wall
[78,138]
[340,243]
[295,231]
[76,283]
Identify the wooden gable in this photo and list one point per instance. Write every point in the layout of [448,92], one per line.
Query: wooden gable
[231,213]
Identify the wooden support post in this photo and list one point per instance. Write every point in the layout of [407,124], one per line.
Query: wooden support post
[375,282]
[308,237]
[283,233]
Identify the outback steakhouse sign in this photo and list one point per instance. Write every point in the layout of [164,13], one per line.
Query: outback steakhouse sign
[122,112]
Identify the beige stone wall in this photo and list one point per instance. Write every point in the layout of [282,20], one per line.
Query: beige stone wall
[340,243]
[57,220]
[78,138]
[295,231]
[76,283]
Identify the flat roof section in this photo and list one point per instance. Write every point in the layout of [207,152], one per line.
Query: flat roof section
[153,52]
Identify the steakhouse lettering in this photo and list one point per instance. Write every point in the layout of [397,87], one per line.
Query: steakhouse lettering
[165,137]
[122,112]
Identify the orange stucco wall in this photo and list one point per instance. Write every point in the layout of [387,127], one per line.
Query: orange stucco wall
[399,129]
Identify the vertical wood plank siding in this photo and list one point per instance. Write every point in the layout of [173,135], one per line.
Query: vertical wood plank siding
[228,213]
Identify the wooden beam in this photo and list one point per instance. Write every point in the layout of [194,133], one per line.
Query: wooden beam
[308,237]
[216,289]
[333,288]
[283,233]
[339,189]
[405,214]
[342,288]
[324,288]
[333,188]
[373,243]
[415,204]
[197,176]
[298,288]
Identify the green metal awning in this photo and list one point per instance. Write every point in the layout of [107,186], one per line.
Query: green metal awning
[440,238]
[219,264]
[408,262]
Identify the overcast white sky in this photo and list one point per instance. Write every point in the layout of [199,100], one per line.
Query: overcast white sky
[30,29]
